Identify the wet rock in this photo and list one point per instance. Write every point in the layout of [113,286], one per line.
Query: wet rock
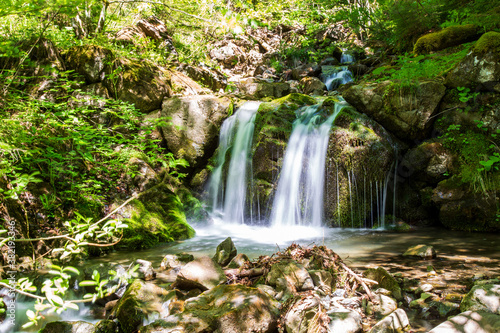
[358,69]
[106,326]
[482,298]
[68,327]
[225,252]
[92,62]
[382,306]
[323,280]
[330,61]
[444,309]
[385,280]
[481,67]
[238,261]
[406,113]
[140,300]
[470,322]
[202,273]
[294,274]
[196,122]
[312,86]
[451,36]
[253,88]
[298,73]
[145,270]
[345,322]
[422,251]
[304,316]
[175,261]
[395,322]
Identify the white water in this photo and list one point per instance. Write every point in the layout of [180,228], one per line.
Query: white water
[340,74]
[228,194]
[299,197]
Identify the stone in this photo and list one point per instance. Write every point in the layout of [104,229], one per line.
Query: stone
[312,86]
[106,326]
[385,280]
[140,300]
[196,122]
[184,85]
[450,36]
[303,315]
[470,322]
[90,61]
[92,95]
[422,251]
[208,76]
[145,270]
[294,274]
[238,261]
[175,261]
[323,280]
[225,252]
[202,273]
[395,322]
[345,322]
[228,55]
[298,73]
[482,298]
[255,89]
[68,327]
[382,306]
[406,113]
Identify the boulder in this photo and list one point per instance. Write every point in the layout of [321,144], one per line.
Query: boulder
[395,322]
[228,55]
[484,297]
[184,85]
[255,89]
[225,252]
[385,280]
[68,327]
[145,270]
[238,261]
[304,316]
[175,261]
[450,36]
[345,322]
[140,300]
[422,251]
[312,86]
[408,113]
[106,326]
[298,73]
[470,322]
[92,62]
[209,77]
[481,67]
[294,273]
[382,306]
[92,95]
[196,122]
[202,273]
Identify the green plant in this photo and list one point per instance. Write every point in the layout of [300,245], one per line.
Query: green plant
[465,94]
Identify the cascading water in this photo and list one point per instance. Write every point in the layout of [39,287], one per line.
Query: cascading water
[299,196]
[228,194]
[334,76]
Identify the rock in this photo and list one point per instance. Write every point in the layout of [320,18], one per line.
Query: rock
[470,322]
[209,77]
[106,326]
[228,55]
[68,327]
[225,309]
[184,85]
[144,175]
[444,309]
[140,300]
[225,252]
[323,280]
[382,306]
[175,261]
[298,73]
[345,322]
[294,273]
[461,208]
[358,69]
[90,61]
[395,322]
[145,270]
[253,88]
[238,261]
[406,113]
[312,86]
[155,217]
[267,289]
[202,273]
[385,280]
[138,82]
[481,67]
[482,298]
[451,36]
[196,122]
[303,316]
[330,61]
[422,251]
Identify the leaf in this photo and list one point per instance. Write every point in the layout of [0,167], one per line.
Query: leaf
[72,306]
[87,283]
[71,269]
[28,324]
[30,314]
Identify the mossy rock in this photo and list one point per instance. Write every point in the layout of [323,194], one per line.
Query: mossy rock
[451,36]
[68,327]
[155,217]
[385,280]
[489,42]
[90,61]
[483,297]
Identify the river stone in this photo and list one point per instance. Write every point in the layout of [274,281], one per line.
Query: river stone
[382,306]
[145,270]
[196,123]
[225,252]
[312,86]
[312,69]
[139,301]
[395,322]
[175,261]
[407,114]
[256,89]
[294,273]
[470,322]
[322,279]
[202,273]
[482,298]
[106,326]
[385,280]
[345,322]
[68,327]
[422,251]
[238,261]
[481,67]
[302,317]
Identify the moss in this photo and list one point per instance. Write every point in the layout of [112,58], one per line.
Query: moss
[385,280]
[489,42]
[451,36]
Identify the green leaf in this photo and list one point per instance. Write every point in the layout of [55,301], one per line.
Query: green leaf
[71,269]
[87,283]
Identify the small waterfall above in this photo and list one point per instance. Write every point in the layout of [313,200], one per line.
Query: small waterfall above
[228,184]
[299,196]
[334,76]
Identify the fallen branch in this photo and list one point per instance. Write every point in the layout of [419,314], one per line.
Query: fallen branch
[361,281]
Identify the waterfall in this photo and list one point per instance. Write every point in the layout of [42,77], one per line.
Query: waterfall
[334,76]
[228,192]
[299,195]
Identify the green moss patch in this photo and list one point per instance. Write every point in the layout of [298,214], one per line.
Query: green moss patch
[489,42]
[451,36]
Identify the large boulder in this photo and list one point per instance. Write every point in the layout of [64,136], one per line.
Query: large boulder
[196,122]
[408,113]
[209,77]
[481,67]
[92,62]
[470,322]
[485,297]
[345,321]
[202,273]
[451,36]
